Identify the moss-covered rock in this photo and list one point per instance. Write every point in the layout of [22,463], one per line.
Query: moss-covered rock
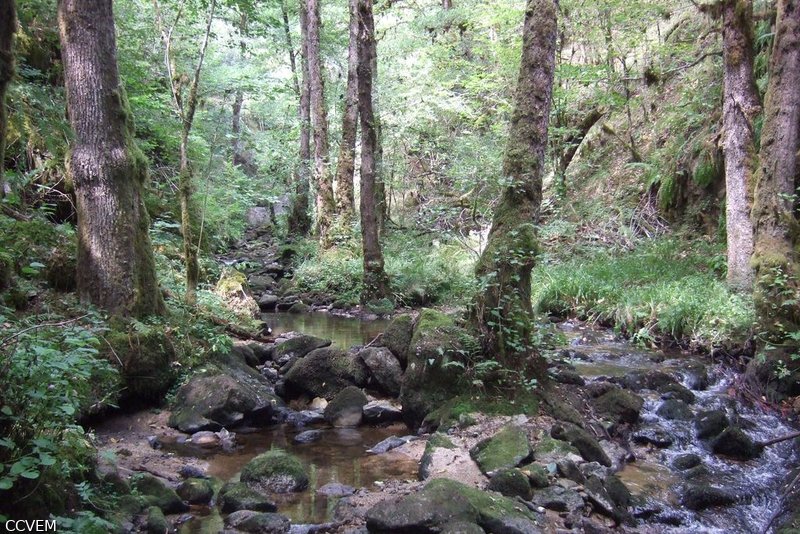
[346,408]
[733,442]
[511,483]
[588,447]
[232,288]
[155,522]
[156,493]
[235,496]
[426,463]
[619,406]
[299,307]
[380,306]
[686,461]
[384,369]
[550,450]
[537,476]
[275,471]
[257,522]
[298,346]
[147,356]
[461,527]
[397,337]
[710,423]
[324,373]
[508,448]
[196,490]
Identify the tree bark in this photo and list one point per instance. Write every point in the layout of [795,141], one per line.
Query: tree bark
[502,310]
[326,205]
[299,220]
[290,48]
[376,282]
[238,101]
[345,197]
[740,108]
[116,270]
[776,228]
[8,25]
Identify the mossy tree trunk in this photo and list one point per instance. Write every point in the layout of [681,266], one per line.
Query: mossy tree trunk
[116,270]
[345,197]
[299,219]
[8,25]
[777,288]
[323,179]
[740,108]
[238,101]
[376,282]
[502,310]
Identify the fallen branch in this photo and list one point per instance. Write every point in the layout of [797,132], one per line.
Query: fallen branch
[779,440]
[239,332]
[6,340]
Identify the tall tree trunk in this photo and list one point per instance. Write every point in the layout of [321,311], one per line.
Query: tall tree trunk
[116,270]
[345,198]
[740,108]
[238,101]
[299,220]
[502,311]
[376,282]
[287,32]
[326,206]
[777,286]
[381,205]
[8,25]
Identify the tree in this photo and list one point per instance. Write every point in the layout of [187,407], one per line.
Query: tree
[376,282]
[740,108]
[185,102]
[116,270]
[238,100]
[776,229]
[326,205]
[345,198]
[299,220]
[502,311]
[8,25]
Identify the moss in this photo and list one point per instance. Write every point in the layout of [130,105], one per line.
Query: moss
[507,448]
[439,440]
[397,337]
[275,471]
[235,496]
[157,494]
[511,483]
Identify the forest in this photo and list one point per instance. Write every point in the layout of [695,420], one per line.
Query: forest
[400,266]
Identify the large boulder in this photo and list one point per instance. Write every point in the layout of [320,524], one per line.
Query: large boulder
[710,423]
[196,490]
[619,406]
[430,379]
[384,369]
[382,411]
[298,347]
[227,393]
[675,410]
[733,442]
[442,502]
[235,496]
[508,448]
[275,471]
[702,496]
[346,408]
[588,447]
[258,522]
[156,493]
[511,483]
[323,373]
[397,337]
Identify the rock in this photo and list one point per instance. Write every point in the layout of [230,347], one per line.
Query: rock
[508,448]
[677,391]
[232,288]
[710,423]
[380,306]
[324,372]
[601,500]
[235,496]
[619,406]
[618,491]
[205,439]
[599,388]
[397,337]
[298,346]
[444,501]
[558,499]
[304,418]
[568,469]
[196,491]
[429,456]
[686,461]
[257,216]
[299,307]
[246,353]
[275,471]
[653,380]
[318,403]
[308,436]
[567,376]
[228,393]
[511,483]
[267,302]
[190,471]
[733,442]
[461,527]
[156,493]
[384,368]
[390,443]
[261,283]
[346,409]
[674,410]
[257,522]
[657,437]
[549,450]
[537,476]
[156,523]
[588,447]
[695,375]
[702,496]
[381,411]
[334,489]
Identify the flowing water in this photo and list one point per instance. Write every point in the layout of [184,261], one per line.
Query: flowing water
[345,332]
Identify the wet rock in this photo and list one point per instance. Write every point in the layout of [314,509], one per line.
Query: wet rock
[299,307]
[445,501]
[677,391]
[674,410]
[567,376]
[558,499]
[698,471]
[190,471]
[619,406]
[235,496]
[304,418]
[334,489]
[588,447]
[308,436]
[196,490]
[384,368]
[268,302]
[156,493]
[653,380]
[381,411]
[733,442]
[508,448]
[324,372]
[511,483]
[618,491]
[571,354]
[686,461]
[710,423]
[270,373]
[658,437]
[397,337]
[537,476]
[702,496]
[299,346]
[275,471]
[461,527]
[346,409]
[258,522]
[155,522]
[695,375]
[390,443]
